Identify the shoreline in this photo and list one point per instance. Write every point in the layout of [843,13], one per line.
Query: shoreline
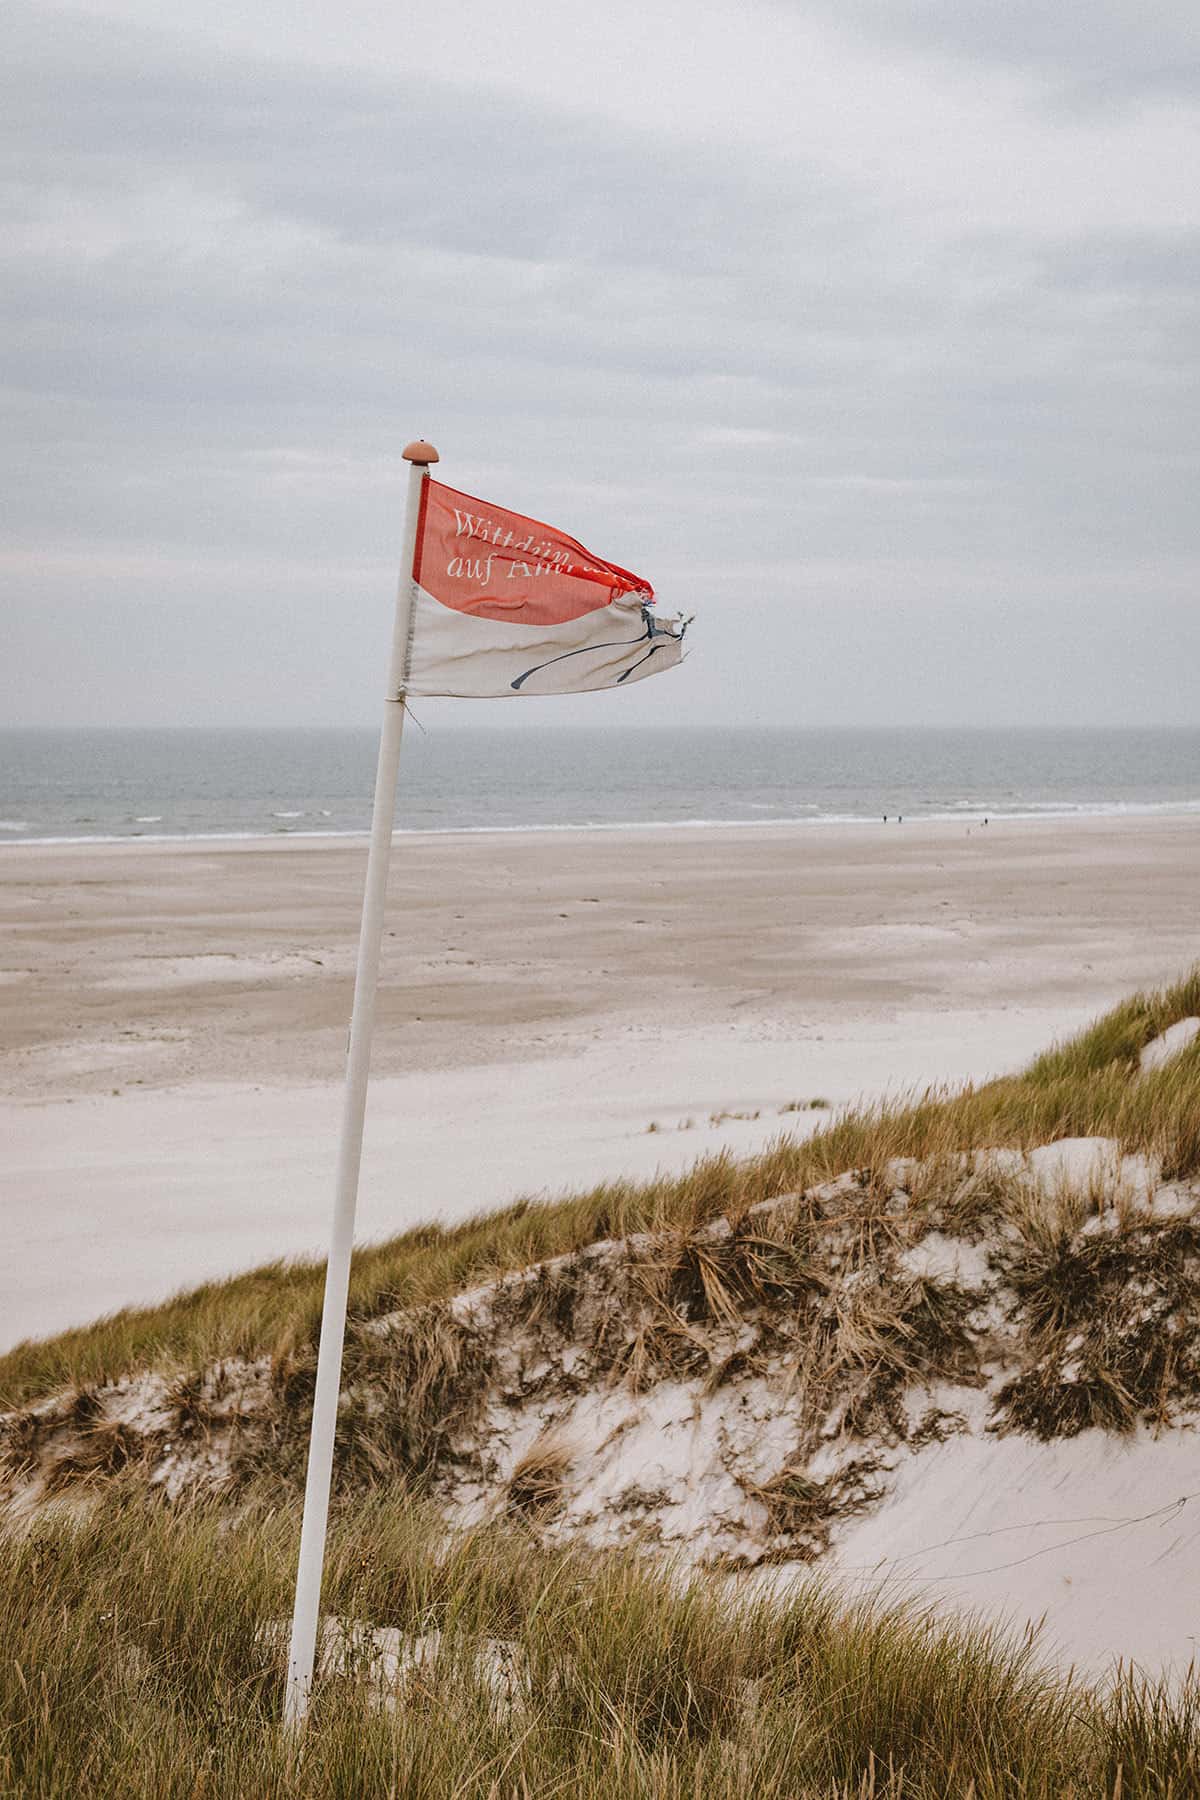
[1083,811]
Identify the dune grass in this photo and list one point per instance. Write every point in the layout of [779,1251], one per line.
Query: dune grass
[144,1655]
[144,1644]
[1088,1086]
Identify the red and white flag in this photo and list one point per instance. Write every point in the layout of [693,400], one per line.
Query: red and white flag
[506,605]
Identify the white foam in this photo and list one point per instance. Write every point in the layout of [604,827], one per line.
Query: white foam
[1032,812]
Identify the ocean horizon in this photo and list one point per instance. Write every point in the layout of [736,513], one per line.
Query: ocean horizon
[105,785]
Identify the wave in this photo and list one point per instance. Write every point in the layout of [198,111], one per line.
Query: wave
[1028,812]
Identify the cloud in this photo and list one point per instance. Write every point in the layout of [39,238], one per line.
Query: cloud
[787,370]
[1121,49]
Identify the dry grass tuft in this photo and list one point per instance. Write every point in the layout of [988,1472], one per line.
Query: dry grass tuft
[1114,1329]
[102,1450]
[20,1444]
[193,1414]
[535,1487]
[801,1509]
[408,1384]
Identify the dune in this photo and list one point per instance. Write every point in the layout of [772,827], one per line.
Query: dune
[965,1373]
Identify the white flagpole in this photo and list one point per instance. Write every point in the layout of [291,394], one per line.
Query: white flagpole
[337,1275]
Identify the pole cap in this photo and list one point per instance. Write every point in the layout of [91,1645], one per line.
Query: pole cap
[420,452]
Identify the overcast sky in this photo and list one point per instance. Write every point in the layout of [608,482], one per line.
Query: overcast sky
[868,330]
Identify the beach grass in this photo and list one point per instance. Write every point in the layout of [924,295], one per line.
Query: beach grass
[144,1642]
[145,1649]
[1088,1086]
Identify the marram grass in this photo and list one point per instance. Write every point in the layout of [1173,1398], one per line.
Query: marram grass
[143,1657]
[142,1646]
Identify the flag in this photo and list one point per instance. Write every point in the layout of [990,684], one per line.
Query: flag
[494,604]
[506,605]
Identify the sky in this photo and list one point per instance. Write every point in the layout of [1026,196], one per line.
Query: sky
[867,330]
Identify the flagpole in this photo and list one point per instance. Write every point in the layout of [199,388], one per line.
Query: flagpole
[337,1275]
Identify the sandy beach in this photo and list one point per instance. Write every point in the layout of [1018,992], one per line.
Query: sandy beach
[557,1007]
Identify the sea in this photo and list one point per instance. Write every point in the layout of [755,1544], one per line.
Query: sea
[104,785]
